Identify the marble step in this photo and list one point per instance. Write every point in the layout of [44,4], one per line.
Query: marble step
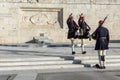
[95,57]
[96,61]
[24,63]
[107,64]
[43,67]
[30,59]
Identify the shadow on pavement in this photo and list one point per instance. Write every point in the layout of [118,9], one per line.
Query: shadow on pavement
[8,77]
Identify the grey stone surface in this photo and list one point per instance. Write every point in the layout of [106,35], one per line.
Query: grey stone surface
[27,76]
[80,76]
[59,50]
[65,1]
[8,77]
[21,20]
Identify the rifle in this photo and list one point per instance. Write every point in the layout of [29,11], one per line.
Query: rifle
[103,20]
[102,23]
[99,25]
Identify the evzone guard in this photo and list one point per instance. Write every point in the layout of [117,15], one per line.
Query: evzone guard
[101,35]
[72,28]
[83,29]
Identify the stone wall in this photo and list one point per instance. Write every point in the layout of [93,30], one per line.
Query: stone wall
[21,20]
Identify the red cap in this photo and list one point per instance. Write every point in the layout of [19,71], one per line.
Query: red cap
[71,17]
[83,17]
[100,21]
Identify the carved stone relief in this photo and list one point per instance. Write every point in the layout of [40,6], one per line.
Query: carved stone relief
[46,17]
[43,18]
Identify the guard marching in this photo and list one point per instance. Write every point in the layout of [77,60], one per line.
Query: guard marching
[73,27]
[84,31]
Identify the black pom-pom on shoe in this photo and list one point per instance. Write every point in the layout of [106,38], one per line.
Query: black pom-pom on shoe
[84,52]
[73,52]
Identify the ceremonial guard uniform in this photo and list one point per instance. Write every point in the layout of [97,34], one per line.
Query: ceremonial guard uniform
[84,28]
[72,26]
[101,35]
[84,31]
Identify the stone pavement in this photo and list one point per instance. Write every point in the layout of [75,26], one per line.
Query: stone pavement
[26,60]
